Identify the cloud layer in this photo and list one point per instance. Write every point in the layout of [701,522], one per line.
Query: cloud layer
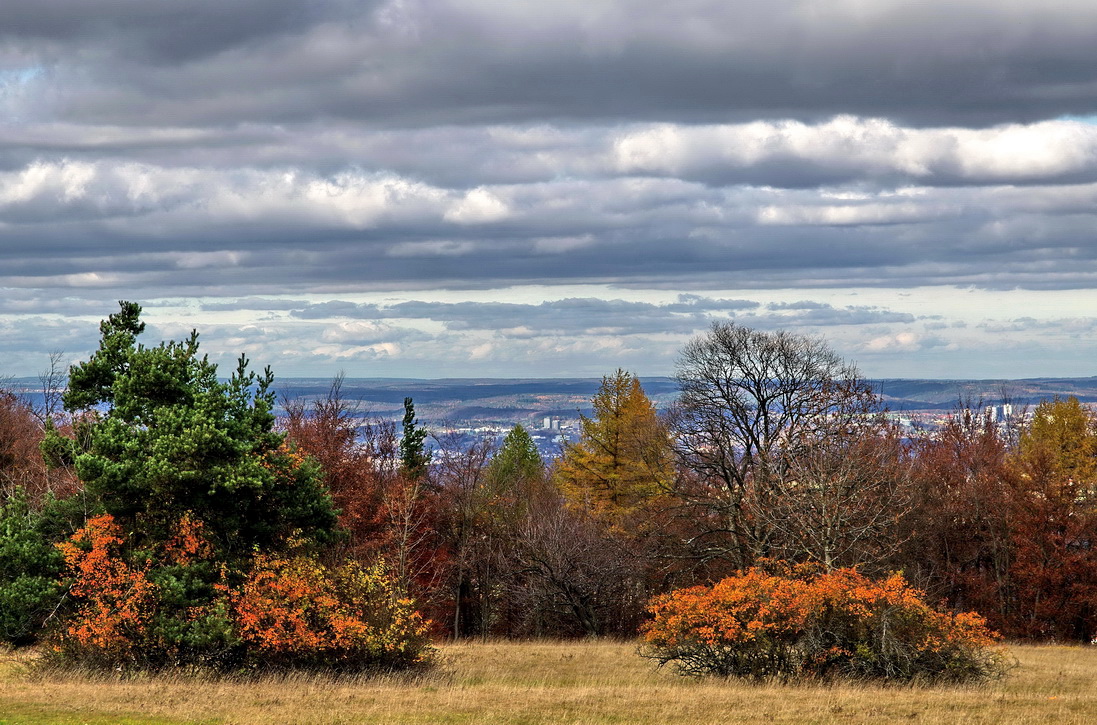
[525,184]
[481,61]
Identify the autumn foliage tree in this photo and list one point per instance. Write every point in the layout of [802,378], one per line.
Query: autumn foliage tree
[957,540]
[358,473]
[615,479]
[623,458]
[21,463]
[1062,438]
[1009,531]
[1054,524]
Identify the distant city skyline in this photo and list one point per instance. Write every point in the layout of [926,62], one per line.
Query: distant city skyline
[479,188]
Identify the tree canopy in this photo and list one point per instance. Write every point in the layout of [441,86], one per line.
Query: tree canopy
[517,458]
[755,406]
[159,435]
[623,456]
[206,546]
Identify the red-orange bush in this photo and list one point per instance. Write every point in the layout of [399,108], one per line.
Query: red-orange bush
[180,607]
[840,623]
[116,600]
[296,611]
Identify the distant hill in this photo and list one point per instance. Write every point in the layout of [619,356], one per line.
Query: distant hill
[523,400]
[530,400]
[902,394]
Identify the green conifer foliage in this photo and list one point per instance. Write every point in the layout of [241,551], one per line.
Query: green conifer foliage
[158,435]
[29,569]
[413,454]
[517,458]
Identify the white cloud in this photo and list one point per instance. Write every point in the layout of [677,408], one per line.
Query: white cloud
[479,206]
[902,342]
[851,214]
[360,333]
[865,148]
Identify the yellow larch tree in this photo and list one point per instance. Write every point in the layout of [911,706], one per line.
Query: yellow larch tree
[1061,441]
[623,457]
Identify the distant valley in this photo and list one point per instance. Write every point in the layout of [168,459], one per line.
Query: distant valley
[529,401]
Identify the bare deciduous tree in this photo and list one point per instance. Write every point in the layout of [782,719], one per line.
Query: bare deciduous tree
[461,477]
[842,499]
[756,409]
[53,380]
[572,576]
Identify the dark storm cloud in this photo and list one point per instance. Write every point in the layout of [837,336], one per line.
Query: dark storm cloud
[162,33]
[476,61]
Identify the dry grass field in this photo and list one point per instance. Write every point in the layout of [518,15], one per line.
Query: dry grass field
[549,682]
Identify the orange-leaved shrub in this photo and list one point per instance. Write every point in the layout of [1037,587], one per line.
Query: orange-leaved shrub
[116,600]
[804,624]
[176,605]
[295,611]
[151,608]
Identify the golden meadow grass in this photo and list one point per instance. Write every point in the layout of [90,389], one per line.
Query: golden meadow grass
[547,682]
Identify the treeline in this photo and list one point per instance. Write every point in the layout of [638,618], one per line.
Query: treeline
[776,453]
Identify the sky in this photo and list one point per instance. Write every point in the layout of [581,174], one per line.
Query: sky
[509,188]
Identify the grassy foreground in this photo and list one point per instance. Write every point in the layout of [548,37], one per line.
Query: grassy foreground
[549,682]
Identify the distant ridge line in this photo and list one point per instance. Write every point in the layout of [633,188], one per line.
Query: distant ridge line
[437,398]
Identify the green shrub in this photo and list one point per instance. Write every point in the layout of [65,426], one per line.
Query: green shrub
[29,570]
